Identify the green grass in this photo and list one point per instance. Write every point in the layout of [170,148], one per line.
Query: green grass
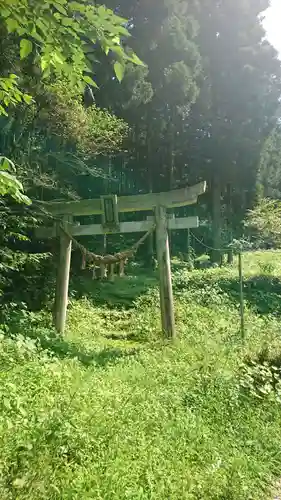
[111,411]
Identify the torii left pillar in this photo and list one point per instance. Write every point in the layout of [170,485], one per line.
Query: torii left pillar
[63,272]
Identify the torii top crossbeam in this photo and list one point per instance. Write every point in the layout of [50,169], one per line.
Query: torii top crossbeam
[134,203]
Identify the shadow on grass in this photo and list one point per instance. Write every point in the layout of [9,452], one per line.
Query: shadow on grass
[179,266]
[55,345]
[265,357]
[63,349]
[262,293]
[129,337]
[121,293]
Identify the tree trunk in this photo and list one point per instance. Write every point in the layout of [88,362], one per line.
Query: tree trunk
[107,182]
[171,155]
[230,257]
[216,227]
[150,240]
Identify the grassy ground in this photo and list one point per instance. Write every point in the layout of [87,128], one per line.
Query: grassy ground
[111,412]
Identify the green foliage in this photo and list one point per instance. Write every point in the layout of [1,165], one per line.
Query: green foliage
[61,39]
[28,279]
[267,267]
[261,380]
[199,419]
[9,184]
[109,411]
[10,94]
[235,111]
[62,36]
[93,130]
[119,70]
[265,219]
[269,176]
[203,107]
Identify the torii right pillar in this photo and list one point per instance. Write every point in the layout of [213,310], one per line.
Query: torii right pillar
[165,277]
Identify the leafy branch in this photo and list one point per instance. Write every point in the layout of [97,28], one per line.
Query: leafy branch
[9,184]
[63,36]
[265,218]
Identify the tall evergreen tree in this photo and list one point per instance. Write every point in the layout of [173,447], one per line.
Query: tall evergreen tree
[269,175]
[157,100]
[237,105]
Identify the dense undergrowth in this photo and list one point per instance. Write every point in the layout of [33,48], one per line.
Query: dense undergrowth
[111,412]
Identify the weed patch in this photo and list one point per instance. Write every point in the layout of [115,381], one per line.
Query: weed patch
[111,411]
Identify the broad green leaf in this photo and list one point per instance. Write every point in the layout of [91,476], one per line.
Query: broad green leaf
[46,72]
[118,51]
[9,163]
[11,180]
[12,24]
[8,84]
[5,13]
[66,21]
[21,31]
[119,70]
[123,31]
[102,11]
[60,8]
[5,165]
[57,59]
[118,20]
[116,40]
[3,111]
[18,96]
[42,25]
[136,60]
[90,81]
[75,6]
[27,98]
[25,48]
[4,85]
[44,63]
[10,185]
[105,46]
[19,236]
[24,199]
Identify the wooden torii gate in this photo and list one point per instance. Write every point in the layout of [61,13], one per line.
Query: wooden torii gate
[109,207]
